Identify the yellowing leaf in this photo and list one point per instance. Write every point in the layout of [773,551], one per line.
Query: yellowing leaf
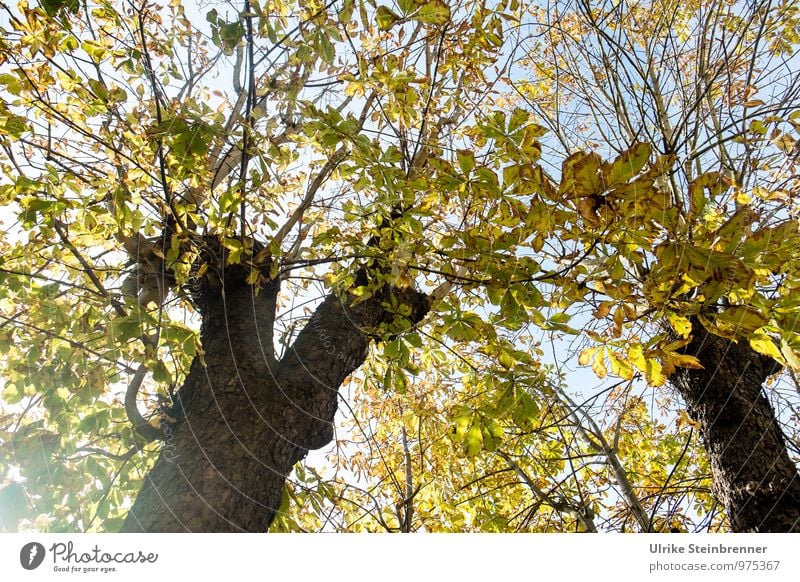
[386,18]
[466,160]
[685,361]
[741,318]
[587,208]
[602,310]
[792,358]
[473,440]
[626,165]
[763,344]
[636,356]
[599,366]
[681,325]
[586,356]
[579,175]
[653,372]
[620,366]
[435,12]
[619,316]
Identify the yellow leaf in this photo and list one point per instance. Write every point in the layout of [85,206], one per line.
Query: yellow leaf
[681,325]
[636,356]
[586,355]
[599,366]
[676,345]
[685,420]
[763,344]
[655,376]
[579,175]
[620,366]
[741,318]
[791,356]
[602,310]
[619,316]
[685,361]
[434,12]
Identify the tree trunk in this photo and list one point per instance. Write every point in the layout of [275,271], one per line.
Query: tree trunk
[753,475]
[249,417]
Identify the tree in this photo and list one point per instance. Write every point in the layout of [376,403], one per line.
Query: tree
[707,84]
[367,207]
[113,144]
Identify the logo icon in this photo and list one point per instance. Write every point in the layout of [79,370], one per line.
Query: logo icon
[31,555]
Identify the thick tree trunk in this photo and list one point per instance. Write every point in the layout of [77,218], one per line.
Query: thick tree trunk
[753,475]
[250,418]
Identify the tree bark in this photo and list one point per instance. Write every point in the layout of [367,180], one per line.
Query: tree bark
[249,417]
[753,475]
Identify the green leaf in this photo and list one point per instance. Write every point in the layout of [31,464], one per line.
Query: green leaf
[435,12]
[526,411]
[473,440]
[12,394]
[466,160]
[386,18]
[161,373]
[11,123]
[52,7]
[231,34]
[626,165]
[325,47]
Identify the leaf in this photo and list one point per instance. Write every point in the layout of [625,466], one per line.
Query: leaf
[653,372]
[231,34]
[681,325]
[685,361]
[620,366]
[473,440]
[386,18]
[579,175]
[326,48]
[587,208]
[586,356]
[710,181]
[763,344]
[602,310]
[599,366]
[466,160]
[161,373]
[741,319]
[626,165]
[434,12]
[511,310]
[526,411]
[792,358]
[52,7]
[11,123]
[636,356]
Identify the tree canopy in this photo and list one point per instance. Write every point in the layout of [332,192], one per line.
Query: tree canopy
[541,257]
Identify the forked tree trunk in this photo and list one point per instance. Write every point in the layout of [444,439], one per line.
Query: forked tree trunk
[250,418]
[753,475]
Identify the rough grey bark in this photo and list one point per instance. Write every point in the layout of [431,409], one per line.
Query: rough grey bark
[753,475]
[249,417]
